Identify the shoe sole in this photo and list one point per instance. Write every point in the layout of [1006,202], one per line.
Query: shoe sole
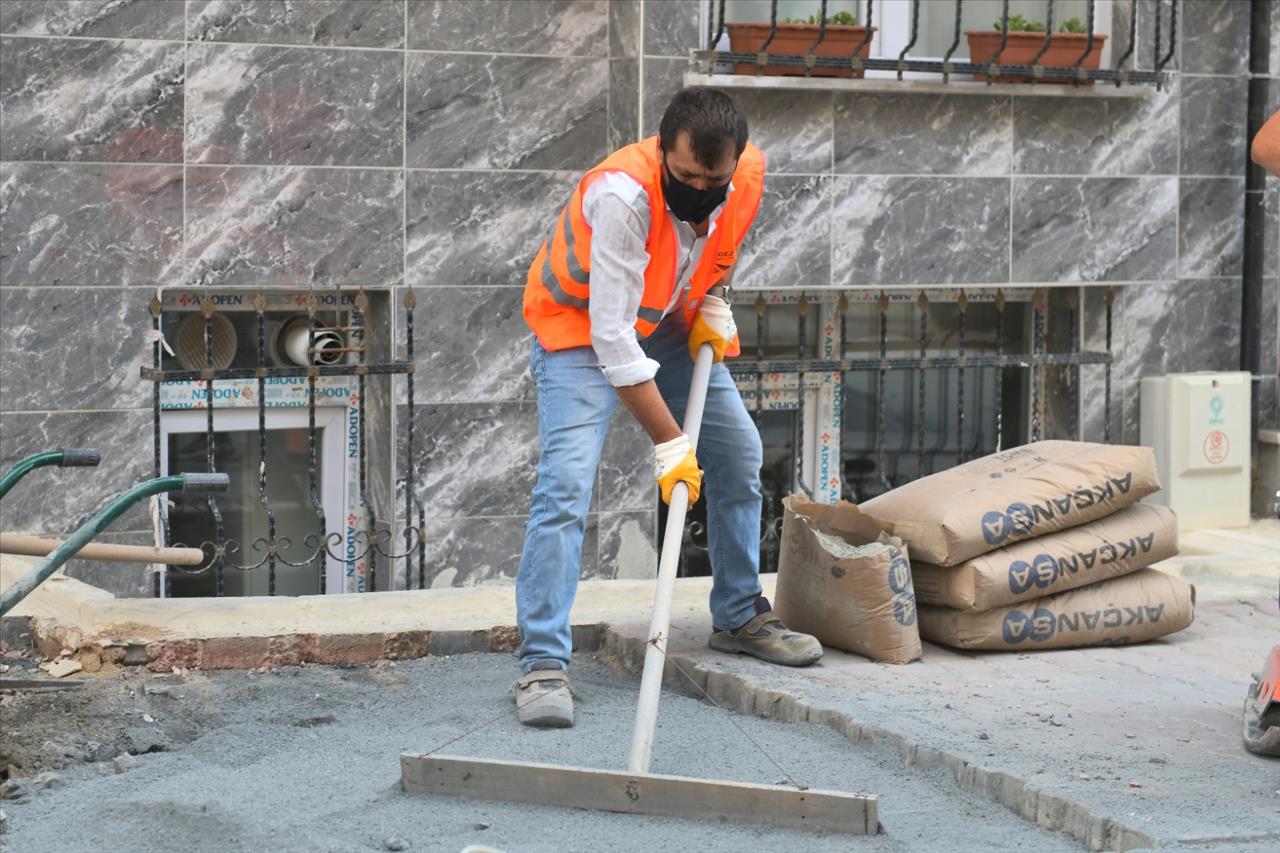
[740,647]
[550,713]
[548,721]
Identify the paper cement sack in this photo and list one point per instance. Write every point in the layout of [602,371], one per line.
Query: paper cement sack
[1123,542]
[845,581]
[1128,609]
[1006,497]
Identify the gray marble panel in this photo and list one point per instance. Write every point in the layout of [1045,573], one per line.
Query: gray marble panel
[506,112]
[470,345]
[904,230]
[1210,227]
[1271,231]
[480,228]
[55,501]
[476,458]
[471,551]
[625,477]
[276,226]
[158,19]
[793,129]
[1271,326]
[670,27]
[1093,378]
[662,79]
[1176,327]
[269,105]
[89,224]
[123,580]
[1088,229]
[544,27]
[881,133]
[349,23]
[1214,36]
[1274,53]
[43,328]
[72,99]
[624,27]
[790,243]
[624,102]
[1097,136]
[628,545]
[1213,125]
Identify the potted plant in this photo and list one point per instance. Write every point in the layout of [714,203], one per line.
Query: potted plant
[795,38]
[1024,42]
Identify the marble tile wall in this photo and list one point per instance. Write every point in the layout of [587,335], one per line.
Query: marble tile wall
[387,144]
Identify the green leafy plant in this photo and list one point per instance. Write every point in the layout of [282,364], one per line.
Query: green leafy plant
[843,18]
[1019,24]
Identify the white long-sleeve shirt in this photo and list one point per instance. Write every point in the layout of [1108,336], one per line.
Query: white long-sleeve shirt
[616,209]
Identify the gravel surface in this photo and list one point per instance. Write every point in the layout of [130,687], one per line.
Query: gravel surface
[307,759]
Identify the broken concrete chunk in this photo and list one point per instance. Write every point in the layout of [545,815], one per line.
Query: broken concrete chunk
[61,667]
[124,761]
[15,789]
[48,779]
[395,844]
[142,740]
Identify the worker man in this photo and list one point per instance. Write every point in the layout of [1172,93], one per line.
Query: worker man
[618,300]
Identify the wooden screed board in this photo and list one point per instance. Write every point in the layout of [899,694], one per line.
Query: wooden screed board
[646,793]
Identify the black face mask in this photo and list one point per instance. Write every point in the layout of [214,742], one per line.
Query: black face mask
[688,202]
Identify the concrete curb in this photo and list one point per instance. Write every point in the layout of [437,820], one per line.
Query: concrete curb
[745,695]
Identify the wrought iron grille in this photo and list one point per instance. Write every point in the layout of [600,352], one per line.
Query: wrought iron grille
[369,550]
[1033,71]
[778,386]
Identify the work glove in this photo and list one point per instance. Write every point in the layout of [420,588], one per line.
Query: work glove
[676,463]
[714,325]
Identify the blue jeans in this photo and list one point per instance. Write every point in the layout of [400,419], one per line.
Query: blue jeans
[575,403]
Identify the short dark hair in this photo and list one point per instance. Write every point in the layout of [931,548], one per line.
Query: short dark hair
[713,120]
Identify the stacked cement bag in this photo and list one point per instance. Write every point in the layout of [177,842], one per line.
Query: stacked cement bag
[845,581]
[1042,546]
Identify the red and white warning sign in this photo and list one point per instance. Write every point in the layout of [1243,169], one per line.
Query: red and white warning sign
[1216,446]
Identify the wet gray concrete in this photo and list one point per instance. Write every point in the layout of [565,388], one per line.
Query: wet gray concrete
[258,780]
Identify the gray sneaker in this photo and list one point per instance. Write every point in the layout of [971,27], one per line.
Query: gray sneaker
[765,637]
[544,698]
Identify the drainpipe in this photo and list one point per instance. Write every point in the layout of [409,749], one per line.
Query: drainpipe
[1255,213]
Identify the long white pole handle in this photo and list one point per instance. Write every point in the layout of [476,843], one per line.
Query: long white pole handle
[655,657]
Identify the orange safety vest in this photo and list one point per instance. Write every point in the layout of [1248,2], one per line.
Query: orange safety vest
[557,289]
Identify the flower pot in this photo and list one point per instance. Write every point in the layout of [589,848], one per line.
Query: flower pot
[1064,50]
[795,40]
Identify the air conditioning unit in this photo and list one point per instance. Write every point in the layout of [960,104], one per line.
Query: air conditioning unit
[1198,424]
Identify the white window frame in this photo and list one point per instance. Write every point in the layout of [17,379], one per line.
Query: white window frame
[330,434]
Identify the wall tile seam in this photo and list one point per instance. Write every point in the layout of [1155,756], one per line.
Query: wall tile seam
[323,47]
[386,288]
[140,410]
[317,166]
[525,516]
[572,172]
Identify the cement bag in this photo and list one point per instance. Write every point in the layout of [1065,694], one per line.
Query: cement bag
[1028,491]
[845,581]
[1128,609]
[1124,542]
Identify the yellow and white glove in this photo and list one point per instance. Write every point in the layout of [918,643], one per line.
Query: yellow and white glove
[675,462]
[714,325]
